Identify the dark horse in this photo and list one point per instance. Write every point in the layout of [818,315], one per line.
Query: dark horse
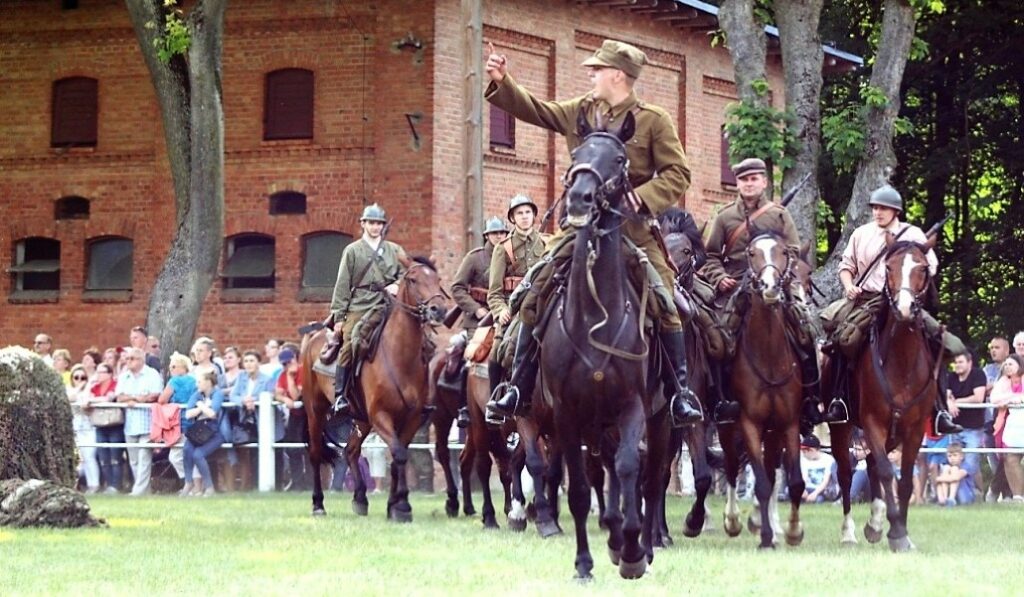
[393,383]
[893,388]
[767,382]
[446,401]
[594,360]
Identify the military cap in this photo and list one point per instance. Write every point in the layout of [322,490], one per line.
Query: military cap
[495,224]
[749,166]
[373,213]
[616,54]
[517,201]
[886,196]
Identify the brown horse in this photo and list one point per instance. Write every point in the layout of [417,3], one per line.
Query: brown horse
[892,389]
[393,384]
[766,380]
[488,444]
[446,401]
[542,458]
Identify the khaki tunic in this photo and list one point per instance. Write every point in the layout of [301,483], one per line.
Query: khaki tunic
[527,250]
[473,277]
[719,265]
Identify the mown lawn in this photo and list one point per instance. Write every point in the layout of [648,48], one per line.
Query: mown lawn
[269,544]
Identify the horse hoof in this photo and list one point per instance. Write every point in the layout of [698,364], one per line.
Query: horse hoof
[664,541]
[451,509]
[469,511]
[517,524]
[360,508]
[770,546]
[490,523]
[317,512]
[397,515]
[690,529]
[795,540]
[848,543]
[872,534]
[631,570]
[548,529]
[732,527]
[615,556]
[583,578]
[901,545]
[531,512]
[752,526]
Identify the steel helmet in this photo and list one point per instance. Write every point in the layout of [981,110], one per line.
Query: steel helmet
[373,213]
[495,224]
[517,201]
[886,196]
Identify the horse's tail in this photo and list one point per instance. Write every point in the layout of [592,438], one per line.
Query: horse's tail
[310,389]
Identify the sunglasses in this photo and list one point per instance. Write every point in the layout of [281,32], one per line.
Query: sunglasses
[79,378]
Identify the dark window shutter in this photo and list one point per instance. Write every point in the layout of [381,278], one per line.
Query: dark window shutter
[728,178]
[320,259]
[38,265]
[110,264]
[503,128]
[75,105]
[249,262]
[288,112]
[71,208]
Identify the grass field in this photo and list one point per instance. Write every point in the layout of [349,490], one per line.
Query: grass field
[269,544]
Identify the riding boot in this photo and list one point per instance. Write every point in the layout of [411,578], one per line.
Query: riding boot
[811,383]
[521,382]
[944,424]
[685,406]
[495,373]
[462,420]
[724,409]
[341,405]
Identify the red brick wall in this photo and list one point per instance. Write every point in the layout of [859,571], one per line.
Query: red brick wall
[363,149]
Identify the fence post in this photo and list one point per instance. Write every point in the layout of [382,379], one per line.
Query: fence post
[266,443]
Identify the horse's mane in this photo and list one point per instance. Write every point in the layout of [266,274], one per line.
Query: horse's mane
[905,245]
[678,221]
[424,260]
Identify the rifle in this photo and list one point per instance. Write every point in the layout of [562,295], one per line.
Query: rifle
[937,226]
[788,197]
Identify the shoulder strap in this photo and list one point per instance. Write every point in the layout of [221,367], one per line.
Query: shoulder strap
[508,251]
[362,273]
[743,227]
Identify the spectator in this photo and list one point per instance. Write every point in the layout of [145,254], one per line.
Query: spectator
[1018,343]
[272,368]
[112,357]
[90,359]
[179,389]
[999,349]
[205,404]
[966,385]
[232,368]
[153,346]
[951,478]
[288,392]
[816,468]
[860,486]
[43,346]
[1009,392]
[248,386]
[62,365]
[85,432]
[928,463]
[138,385]
[111,459]
[137,338]
[202,356]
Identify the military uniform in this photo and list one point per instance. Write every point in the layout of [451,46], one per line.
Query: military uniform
[469,287]
[509,261]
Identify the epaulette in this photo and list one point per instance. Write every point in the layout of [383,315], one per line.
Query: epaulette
[544,236]
[508,239]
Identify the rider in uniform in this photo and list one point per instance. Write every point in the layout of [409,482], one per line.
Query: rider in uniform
[862,258]
[727,263]
[469,289]
[657,170]
[369,267]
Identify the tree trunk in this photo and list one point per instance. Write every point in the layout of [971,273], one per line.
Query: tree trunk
[189,92]
[802,57]
[748,45]
[879,160]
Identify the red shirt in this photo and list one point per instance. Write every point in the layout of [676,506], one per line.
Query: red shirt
[100,393]
[282,382]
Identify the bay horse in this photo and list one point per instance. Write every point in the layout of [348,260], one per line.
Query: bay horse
[766,380]
[393,384]
[488,446]
[542,459]
[446,401]
[893,385]
[594,359]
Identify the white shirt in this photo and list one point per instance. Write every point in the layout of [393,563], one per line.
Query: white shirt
[868,241]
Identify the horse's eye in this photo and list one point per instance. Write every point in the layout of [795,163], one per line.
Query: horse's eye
[687,252]
[620,160]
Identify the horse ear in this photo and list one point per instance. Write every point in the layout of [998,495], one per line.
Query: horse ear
[583,128]
[625,132]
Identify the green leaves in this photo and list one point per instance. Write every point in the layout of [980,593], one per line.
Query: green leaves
[176,38]
[761,132]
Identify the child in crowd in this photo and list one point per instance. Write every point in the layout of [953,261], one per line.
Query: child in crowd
[948,480]
[816,468]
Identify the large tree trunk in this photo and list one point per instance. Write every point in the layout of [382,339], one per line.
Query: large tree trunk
[879,160]
[189,92]
[747,44]
[802,57]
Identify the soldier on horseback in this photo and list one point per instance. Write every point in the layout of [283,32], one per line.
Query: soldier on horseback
[369,268]
[469,289]
[727,264]
[657,171]
[847,319]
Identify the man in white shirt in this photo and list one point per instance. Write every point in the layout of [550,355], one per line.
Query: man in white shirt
[138,386]
[43,346]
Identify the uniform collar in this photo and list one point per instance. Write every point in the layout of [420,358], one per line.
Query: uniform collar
[743,206]
[374,244]
[528,236]
[604,109]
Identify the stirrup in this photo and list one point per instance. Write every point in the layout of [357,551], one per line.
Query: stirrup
[341,407]
[681,396]
[845,418]
[952,428]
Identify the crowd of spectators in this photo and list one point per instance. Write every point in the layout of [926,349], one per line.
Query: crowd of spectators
[155,409]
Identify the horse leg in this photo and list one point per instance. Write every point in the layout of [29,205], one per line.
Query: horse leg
[353,450]
[556,466]
[763,483]
[795,483]
[398,509]
[654,484]
[696,517]
[613,511]
[901,542]
[873,527]
[466,463]
[483,472]
[538,472]
[579,497]
[314,449]
[517,515]
[595,474]
[442,425]
[844,471]
[627,468]
[502,457]
[731,516]
[884,471]
[772,456]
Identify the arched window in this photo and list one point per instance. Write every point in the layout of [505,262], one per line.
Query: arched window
[109,263]
[728,178]
[288,108]
[287,203]
[71,208]
[75,107]
[249,261]
[321,254]
[503,128]
[36,265]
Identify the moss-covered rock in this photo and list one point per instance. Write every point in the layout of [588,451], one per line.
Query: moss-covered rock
[38,503]
[36,437]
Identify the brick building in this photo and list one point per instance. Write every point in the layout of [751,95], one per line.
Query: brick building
[329,105]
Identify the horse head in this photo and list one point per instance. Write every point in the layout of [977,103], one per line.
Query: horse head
[907,275]
[598,175]
[771,264]
[421,292]
[683,241]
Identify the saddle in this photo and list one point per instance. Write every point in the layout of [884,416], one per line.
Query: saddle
[329,352]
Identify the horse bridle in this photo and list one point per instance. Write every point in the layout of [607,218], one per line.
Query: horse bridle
[785,275]
[915,305]
[419,310]
[605,188]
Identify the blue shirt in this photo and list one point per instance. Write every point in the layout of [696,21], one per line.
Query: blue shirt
[182,388]
[216,401]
